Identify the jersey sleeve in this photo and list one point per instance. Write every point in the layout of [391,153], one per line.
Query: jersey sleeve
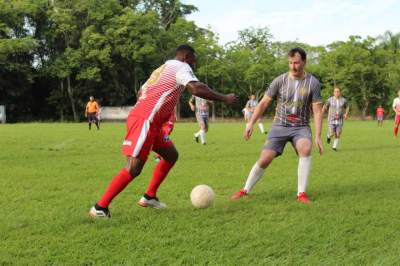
[345,104]
[185,75]
[328,103]
[273,89]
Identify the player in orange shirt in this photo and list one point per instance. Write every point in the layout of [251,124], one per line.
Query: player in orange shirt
[91,112]
[380,112]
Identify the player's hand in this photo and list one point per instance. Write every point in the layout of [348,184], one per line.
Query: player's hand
[248,131]
[318,143]
[231,99]
[345,116]
[192,108]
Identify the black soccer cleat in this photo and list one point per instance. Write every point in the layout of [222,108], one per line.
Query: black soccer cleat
[98,212]
[196,138]
[328,140]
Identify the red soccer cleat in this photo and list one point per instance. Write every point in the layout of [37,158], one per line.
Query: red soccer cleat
[303,198]
[240,194]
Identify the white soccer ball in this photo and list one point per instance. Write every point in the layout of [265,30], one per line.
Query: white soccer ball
[202,196]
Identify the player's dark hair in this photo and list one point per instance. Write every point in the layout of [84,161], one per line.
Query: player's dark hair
[185,48]
[298,50]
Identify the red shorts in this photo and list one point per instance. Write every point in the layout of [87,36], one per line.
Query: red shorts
[143,137]
[167,128]
[397,119]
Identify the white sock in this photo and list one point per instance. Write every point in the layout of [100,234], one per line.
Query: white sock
[197,134]
[255,174]
[261,127]
[203,136]
[335,143]
[302,173]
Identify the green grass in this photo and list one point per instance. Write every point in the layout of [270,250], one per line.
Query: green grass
[51,174]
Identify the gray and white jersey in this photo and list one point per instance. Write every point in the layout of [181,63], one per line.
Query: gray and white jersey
[295,97]
[337,107]
[201,104]
[251,104]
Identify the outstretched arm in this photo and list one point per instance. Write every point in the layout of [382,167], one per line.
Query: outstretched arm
[203,91]
[258,112]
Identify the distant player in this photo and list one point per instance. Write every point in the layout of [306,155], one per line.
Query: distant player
[297,92]
[201,107]
[249,110]
[91,112]
[338,111]
[396,109]
[160,94]
[380,114]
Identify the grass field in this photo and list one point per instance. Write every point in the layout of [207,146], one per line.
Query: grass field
[51,174]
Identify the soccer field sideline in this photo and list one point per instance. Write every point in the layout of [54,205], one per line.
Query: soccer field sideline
[51,174]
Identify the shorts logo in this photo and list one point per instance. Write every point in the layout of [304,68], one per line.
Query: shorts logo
[127,143]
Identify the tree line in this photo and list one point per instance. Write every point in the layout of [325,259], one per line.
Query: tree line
[54,54]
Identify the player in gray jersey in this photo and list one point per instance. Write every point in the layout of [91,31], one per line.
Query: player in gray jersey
[338,110]
[201,107]
[297,93]
[249,110]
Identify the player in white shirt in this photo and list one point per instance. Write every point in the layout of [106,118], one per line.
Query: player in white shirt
[338,112]
[396,109]
[201,107]
[249,110]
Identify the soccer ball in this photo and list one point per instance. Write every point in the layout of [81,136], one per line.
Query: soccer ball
[202,196]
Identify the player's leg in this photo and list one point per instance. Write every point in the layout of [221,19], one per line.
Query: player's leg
[90,120]
[203,129]
[138,141]
[261,126]
[331,133]
[303,144]
[96,121]
[169,157]
[273,147]
[197,134]
[132,169]
[338,133]
[396,125]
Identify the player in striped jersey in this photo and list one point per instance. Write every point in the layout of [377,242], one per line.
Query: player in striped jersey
[201,108]
[249,110]
[396,109]
[159,96]
[297,92]
[338,111]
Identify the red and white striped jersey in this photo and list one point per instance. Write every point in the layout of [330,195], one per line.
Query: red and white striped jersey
[161,92]
[396,105]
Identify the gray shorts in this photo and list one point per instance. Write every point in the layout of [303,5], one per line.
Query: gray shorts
[278,136]
[202,119]
[335,129]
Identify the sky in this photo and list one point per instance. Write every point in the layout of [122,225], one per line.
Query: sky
[310,21]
